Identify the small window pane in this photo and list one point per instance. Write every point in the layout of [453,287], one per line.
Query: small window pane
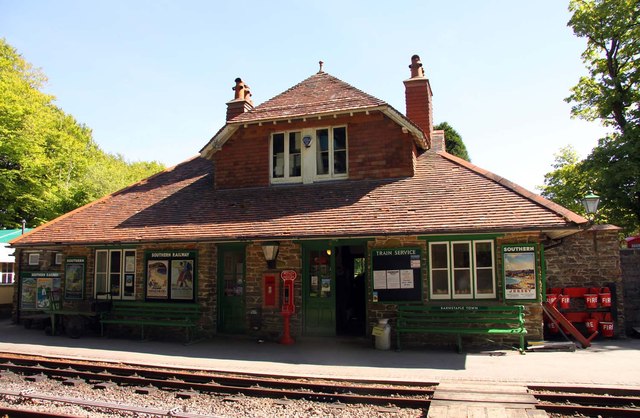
[484,279]
[323,140]
[461,255]
[116,262]
[295,156]
[484,254]
[439,256]
[278,155]
[462,282]
[440,282]
[339,139]
[340,162]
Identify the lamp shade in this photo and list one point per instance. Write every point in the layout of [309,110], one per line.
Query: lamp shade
[270,250]
[590,203]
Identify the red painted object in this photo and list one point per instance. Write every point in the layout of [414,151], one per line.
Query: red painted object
[591,324]
[591,299]
[552,299]
[605,297]
[565,301]
[607,329]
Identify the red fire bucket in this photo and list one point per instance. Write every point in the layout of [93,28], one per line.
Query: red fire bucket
[552,299]
[605,297]
[592,325]
[591,300]
[565,301]
[607,329]
[552,327]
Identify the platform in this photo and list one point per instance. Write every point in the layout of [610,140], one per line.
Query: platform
[605,363]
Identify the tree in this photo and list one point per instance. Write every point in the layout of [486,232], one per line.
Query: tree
[49,163]
[610,93]
[567,182]
[453,141]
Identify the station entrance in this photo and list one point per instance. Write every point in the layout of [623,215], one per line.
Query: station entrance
[334,289]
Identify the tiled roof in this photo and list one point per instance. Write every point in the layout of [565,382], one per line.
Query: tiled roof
[180,204]
[318,94]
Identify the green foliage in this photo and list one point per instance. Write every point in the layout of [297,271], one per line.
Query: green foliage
[49,163]
[609,93]
[453,141]
[566,184]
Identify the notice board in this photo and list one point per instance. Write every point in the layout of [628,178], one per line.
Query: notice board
[396,274]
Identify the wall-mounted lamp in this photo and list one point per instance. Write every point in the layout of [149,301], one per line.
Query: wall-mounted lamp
[590,203]
[306,140]
[270,250]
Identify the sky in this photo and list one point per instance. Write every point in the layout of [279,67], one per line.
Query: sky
[152,78]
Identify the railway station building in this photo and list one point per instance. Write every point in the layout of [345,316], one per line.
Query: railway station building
[356,204]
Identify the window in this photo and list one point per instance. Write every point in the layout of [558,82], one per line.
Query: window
[286,156]
[308,155]
[57,259]
[331,152]
[6,273]
[115,273]
[34,259]
[462,270]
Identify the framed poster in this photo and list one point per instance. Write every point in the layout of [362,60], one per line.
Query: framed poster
[171,275]
[520,272]
[157,279]
[182,279]
[34,286]
[74,270]
[396,274]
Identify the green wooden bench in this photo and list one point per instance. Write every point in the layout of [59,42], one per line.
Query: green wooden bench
[461,320]
[180,315]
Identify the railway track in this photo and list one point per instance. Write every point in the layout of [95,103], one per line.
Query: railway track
[556,400]
[399,395]
[587,401]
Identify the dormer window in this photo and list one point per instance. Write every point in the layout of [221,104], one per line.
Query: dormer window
[286,157]
[322,155]
[331,152]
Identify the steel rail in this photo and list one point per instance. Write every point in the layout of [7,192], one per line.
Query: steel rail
[590,411]
[382,396]
[109,406]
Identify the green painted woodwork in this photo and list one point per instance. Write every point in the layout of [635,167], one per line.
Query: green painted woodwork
[319,289]
[231,289]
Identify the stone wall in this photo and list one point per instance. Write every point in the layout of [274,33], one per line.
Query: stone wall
[630,265]
[590,258]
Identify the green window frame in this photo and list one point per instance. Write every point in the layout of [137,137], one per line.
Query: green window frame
[462,269]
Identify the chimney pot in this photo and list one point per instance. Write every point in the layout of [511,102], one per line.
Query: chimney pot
[241,102]
[418,97]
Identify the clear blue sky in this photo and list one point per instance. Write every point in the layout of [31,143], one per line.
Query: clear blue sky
[151,78]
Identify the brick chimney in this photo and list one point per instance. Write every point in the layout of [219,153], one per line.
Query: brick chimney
[241,102]
[418,97]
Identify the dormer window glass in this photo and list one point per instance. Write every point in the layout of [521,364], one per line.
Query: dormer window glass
[331,152]
[286,157]
[321,155]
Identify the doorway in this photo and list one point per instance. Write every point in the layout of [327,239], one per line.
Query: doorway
[334,289]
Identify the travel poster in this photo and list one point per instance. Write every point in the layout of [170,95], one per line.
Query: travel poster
[44,284]
[182,279]
[74,278]
[520,278]
[29,289]
[157,279]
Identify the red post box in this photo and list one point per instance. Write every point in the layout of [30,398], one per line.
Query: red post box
[288,307]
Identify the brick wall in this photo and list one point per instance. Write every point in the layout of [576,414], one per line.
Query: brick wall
[630,266]
[377,148]
[590,258]
[289,258]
